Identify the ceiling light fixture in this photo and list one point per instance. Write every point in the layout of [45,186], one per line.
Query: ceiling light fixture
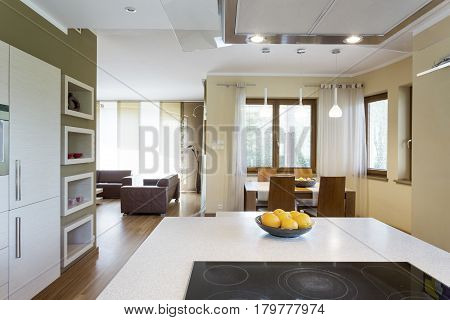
[301,51]
[130,10]
[265,50]
[353,39]
[257,38]
[335,111]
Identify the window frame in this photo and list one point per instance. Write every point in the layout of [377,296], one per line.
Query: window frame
[275,103]
[375,173]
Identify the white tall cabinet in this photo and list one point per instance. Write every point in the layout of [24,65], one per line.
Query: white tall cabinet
[34,175]
[4,179]
[35,130]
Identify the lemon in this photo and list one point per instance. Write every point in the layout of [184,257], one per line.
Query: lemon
[277,212]
[289,223]
[294,214]
[284,215]
[270,220]
[303,220]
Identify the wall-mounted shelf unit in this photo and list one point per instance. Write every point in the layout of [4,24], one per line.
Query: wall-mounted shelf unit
[83,94]
[78,193]
[79,146]
[442,66]
[78,238]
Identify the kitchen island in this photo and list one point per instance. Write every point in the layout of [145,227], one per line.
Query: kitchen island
[161,267]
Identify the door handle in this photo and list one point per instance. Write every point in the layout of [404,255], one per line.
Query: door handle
[18,180]
[409,143]
[18,238]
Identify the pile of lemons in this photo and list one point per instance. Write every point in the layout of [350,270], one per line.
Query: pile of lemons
[286,220]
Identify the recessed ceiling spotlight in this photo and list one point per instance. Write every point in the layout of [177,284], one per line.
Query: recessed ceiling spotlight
[353,39]
[265,50]
[257,38]
[301,51]
[130,10]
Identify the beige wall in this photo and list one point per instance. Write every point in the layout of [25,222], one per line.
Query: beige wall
[388,201]
[431,136]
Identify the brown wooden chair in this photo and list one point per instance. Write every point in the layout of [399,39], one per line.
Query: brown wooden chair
[331,202]
[282,193]
[264,174]
[303,173]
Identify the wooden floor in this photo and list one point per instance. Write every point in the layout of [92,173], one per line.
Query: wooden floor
[118,237]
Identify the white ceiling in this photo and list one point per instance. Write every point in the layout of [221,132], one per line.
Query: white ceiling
[150,14]
[152,63]
[327,17]
[140,55]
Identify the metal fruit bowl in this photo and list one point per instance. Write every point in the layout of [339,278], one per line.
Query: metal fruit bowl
[282,233]
[305,183]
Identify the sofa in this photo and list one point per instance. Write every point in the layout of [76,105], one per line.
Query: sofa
[151,198]
[111,181]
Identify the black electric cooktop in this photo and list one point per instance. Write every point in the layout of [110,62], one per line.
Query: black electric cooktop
[312,280]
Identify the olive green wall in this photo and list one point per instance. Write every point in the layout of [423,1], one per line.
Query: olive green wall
[74,53]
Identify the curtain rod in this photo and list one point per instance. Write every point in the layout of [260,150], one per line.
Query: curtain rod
[237,85]
[339,85]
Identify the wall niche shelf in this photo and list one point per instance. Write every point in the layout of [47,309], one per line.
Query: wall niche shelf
[78,146]
[82,93]
[78,238]
[78,192]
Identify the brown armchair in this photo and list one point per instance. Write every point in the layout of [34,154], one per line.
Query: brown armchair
[153,197]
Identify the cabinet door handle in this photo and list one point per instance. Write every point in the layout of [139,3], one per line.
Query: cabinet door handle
[18,238]
[18,180]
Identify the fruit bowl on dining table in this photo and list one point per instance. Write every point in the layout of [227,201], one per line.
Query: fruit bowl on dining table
[305,182]
[285,224]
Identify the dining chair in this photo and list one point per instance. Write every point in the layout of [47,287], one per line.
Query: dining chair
[281,193]
[331,202]
[264,174]
[303,173]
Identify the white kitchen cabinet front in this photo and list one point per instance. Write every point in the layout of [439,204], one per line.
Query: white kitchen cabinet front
[4,73]
[34,255]
[35,118]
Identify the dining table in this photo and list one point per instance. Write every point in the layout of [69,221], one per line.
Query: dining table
[253,188]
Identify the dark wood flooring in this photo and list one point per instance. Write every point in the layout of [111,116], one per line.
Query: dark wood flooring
[118,237]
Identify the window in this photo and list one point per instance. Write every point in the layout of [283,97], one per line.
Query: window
[280,135]
[259,135]
[377,134]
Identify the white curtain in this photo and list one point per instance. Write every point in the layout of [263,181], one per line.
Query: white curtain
[342,149]
[238,174]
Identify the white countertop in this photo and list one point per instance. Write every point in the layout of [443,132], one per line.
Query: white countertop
[161,267]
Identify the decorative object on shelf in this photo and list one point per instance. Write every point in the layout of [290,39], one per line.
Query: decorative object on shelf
[70,156]
[74,104]
[77,155]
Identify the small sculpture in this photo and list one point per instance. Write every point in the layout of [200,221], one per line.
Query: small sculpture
[74,104]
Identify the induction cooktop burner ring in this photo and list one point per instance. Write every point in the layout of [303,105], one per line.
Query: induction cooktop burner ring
[244,275]
[348,288]
[409,295]
[222,295]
